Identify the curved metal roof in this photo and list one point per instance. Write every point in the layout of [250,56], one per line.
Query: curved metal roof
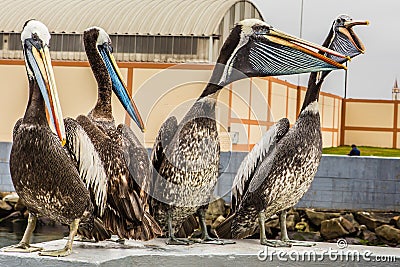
[175,17]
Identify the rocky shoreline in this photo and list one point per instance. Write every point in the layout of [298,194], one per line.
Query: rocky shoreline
[356,227]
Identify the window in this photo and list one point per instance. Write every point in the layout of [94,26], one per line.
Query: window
[14,41]
[66,42]
[129,44]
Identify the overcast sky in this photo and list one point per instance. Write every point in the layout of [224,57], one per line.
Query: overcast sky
[370,76]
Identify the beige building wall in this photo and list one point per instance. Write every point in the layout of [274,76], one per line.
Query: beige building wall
[14,97]
[371,123]
[367,114]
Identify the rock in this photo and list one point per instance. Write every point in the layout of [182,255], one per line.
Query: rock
[3,194]
[395,221]
[347,225]
[354,241]
[371,220]
[302,226]
[5,206]
[11,198]
[295,213]
[217,221]
[209,222]
[368,236]
[273,223]
[350,218]
[305,236]
[333,228]
[389,233]
[317,217]
[215,209]
[290,222]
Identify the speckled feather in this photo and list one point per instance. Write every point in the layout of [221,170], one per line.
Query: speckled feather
[190,163]
[280,182]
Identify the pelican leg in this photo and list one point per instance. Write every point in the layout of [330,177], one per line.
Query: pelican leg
[172,240]
[263,237]
[68,247]
[24,245]
[284,234]
[205,237]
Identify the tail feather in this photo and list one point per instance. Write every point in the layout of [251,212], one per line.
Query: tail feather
[224,230]
[144,230]
[188,227]
[94,230]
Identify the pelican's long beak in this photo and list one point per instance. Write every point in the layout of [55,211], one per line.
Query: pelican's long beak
[38,57]
[348,31]
[306,47]
[119,86]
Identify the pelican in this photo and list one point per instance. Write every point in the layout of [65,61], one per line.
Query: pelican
[280,168]
[44,175]
[185,156]
[111,159]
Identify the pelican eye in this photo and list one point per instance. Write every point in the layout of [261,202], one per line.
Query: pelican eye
[35,37]
[261,29]
[37,42]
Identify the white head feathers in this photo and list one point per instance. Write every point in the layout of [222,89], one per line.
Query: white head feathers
[103,36]
[34,27]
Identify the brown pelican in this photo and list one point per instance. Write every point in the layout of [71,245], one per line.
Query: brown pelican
[44,176]
[185,156]
[111,160]
[280,168]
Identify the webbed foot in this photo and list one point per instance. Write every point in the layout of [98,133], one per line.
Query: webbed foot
[210,240]
[275,243]
[179,241]
[298,243]
[21,248]
[81,238]
[56,253]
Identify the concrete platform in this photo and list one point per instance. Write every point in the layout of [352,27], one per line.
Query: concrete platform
[243,253]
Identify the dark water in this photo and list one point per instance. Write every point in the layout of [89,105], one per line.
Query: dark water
[11,233]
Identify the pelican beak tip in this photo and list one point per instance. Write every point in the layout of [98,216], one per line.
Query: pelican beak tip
[63,142]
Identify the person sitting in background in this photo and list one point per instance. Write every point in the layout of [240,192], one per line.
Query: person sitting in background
[354,151]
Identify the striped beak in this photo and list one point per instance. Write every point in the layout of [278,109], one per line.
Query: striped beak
[119,87]
[39,62]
